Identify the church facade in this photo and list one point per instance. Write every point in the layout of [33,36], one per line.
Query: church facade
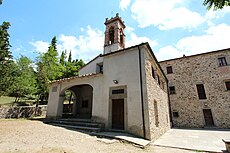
[124,88]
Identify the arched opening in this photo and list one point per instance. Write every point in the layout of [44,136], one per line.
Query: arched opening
[121,38]
[69,98]
[111,35]
[77,102]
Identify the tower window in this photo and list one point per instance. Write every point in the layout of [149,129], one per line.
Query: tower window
[121,38]
[111,35]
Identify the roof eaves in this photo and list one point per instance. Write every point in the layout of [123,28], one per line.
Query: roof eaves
[196,55]
[74,77]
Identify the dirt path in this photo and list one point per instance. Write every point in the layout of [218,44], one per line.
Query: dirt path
[34,136]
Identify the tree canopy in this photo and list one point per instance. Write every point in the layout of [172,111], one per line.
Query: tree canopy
[5,58]
[216,4]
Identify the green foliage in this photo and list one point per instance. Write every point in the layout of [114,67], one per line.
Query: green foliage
[71,67]
[48,68]
[5,58]
[24,82]
[62,58]
[216,4]
[70,57]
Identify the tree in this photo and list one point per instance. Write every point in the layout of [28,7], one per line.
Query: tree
[5,54]
[0,2]
[216,4]
[48,69]
[62,58]
[24,83]
[71,67]
[5,58]
[70,57]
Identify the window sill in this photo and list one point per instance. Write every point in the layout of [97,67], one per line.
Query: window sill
[223,65]
[202,99]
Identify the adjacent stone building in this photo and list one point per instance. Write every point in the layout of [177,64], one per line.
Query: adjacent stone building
[199,88]
[124,88]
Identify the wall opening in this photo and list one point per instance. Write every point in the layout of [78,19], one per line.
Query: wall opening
[78,102]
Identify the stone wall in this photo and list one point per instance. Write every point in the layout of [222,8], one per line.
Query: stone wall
[157,99]
[7,111]
[199,69]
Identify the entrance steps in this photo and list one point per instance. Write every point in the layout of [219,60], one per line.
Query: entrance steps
[78,124]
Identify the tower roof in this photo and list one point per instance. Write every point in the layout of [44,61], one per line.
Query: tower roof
[112,19]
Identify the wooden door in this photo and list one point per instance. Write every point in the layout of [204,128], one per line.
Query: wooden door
[118,114]
[208,117]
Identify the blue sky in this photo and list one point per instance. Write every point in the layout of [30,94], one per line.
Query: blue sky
[172,27]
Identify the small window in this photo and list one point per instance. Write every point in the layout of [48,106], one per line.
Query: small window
[153,73]
[85,104]
[201,91]
[162,84]
[118,91]
[158,79]
[227,83]
[172,90]
[156,114]
[175,114]
[222,61]
[101,68]
[169,69]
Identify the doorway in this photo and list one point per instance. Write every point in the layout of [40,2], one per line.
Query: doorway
[118,114]
[208,117]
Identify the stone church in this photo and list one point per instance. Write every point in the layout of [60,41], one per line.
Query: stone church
[123,88]
[128,90]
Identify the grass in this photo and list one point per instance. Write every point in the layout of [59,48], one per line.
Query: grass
[5,100]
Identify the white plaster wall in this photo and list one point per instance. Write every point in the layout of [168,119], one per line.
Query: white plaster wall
[54,109]
[124,67]
[91,67]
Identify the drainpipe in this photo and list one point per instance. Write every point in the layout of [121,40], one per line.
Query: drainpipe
[142,98]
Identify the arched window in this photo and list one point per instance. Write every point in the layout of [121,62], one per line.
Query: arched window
[111,35]
[121,37]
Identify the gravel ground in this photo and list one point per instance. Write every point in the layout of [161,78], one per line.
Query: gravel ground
[28,136]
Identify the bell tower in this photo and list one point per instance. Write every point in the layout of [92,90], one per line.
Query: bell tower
[114,34]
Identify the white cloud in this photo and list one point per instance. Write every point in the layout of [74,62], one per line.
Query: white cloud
[168,52]
[124,4]
[40,46]
[211,15]
[166,14]
[215,38]
[129,29]
[135,40]
[82,29]
[83,47]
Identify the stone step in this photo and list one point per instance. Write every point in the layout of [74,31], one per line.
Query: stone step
[76,120]
[79,123]
[82,128]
